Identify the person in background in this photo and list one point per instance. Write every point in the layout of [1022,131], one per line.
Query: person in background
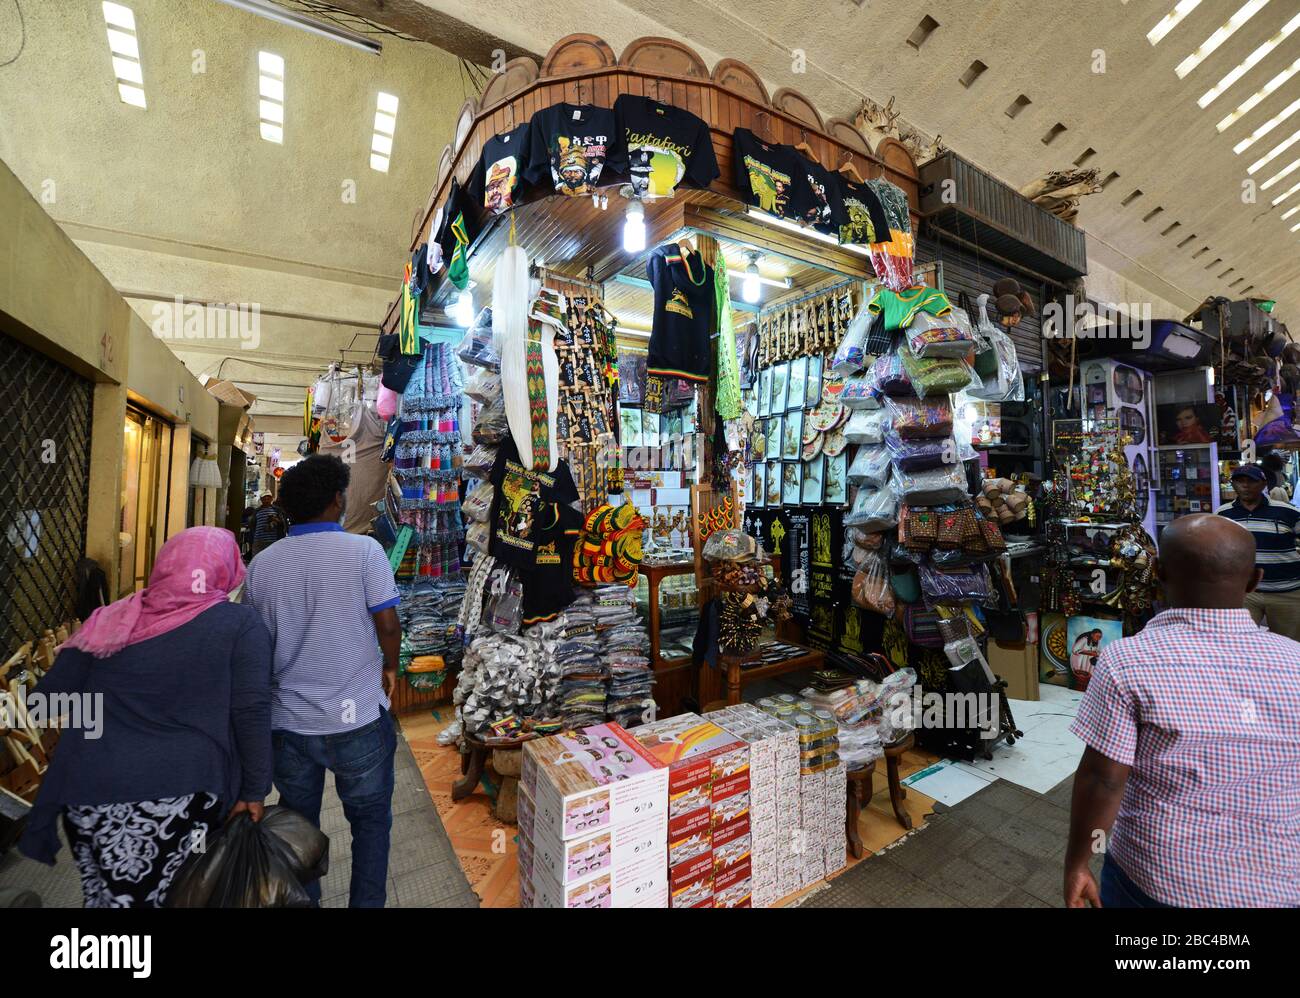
[182,740]
[1275,526]
[246,530]
[1191,775]
[1275,468]
[330,602]
[268,525]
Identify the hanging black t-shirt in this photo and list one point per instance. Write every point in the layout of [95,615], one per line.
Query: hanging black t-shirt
[525,506]
[660,147]
[683,319]
[765,173]
[460,204]
[568,147]
[495,182]
[864,219]
[548,585]
[816,198]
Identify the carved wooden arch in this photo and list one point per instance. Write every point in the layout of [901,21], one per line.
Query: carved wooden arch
[798,106]
[515,75]
[664,56]
[578,53]
[896,156]
[444,166]
[737,77]
[464,122]
[843,132]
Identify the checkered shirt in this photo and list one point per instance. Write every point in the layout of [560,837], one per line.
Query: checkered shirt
[1204,706]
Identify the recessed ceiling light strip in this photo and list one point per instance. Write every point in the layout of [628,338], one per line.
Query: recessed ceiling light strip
[1279,176]
[1171,20]
[1253,101]
[1208,47]
[1282,197]
[1273,153]
[125,48]
[1267,127]
[1250,62]
[381,142]
[270,90]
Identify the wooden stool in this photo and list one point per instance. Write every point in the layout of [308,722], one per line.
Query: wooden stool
[860,792]
[507,762]
[897,792]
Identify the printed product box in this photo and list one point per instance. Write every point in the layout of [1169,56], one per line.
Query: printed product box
[583,781]
[640,885]
[622,845]
[692,880]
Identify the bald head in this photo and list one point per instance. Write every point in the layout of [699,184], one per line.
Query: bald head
[1207,561]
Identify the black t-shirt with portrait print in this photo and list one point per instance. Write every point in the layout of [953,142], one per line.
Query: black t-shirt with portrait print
[864,220]
[765,173]
[526,506]
[816,200]
[680,344]
[660,147]
[568,147]
[495,182]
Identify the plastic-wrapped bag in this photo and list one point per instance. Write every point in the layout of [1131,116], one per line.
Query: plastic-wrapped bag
[936,375]
[889,376]
[492,426]
[479,463]
[262,864]
[478,503]
[478,536]
[849,356]
[919,419]
[503,608]
[1003,383]
[484,386]
[872,509]
[859,393]
[932,487]
[947,335]
[871,589]
[870,466]
[866,426]
[476,348]
[955,588]
[921,455]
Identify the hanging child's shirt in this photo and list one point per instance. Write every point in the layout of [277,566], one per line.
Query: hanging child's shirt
[660,147]
[900,309]
[680,345]
[568,147]
[764,172]
[495,182]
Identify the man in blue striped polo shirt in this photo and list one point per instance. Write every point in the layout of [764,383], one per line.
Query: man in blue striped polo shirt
[329,600]
[1275,525]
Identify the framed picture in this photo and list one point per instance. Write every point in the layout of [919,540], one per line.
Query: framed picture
[791,482]
[792,436]
[774,438]
[780,382]
[650,423]
[765,392]
[773,484]
[1188,423]
[798,375]
[758,486]
[836,492]
[750,396]
[814,480]
[813,383]
[630,426]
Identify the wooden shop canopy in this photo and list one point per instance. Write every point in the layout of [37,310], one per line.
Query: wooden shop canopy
[573,234]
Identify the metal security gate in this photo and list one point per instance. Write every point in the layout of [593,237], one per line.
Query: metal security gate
[45,414]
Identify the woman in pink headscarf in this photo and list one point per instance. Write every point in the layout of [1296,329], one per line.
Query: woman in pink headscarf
[167,729]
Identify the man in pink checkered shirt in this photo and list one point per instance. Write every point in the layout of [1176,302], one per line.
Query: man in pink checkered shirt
[1191,776]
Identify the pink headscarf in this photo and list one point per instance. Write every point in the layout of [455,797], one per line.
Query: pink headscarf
[195,570]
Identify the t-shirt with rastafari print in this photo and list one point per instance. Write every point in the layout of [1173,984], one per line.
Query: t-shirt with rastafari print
[525,506]
[660,147]
[764,173]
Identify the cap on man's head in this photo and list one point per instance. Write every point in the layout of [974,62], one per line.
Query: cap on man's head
[1250,471]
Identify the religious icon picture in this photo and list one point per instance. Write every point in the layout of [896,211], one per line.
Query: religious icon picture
[791,482]
[758,486]
[813,383]
[773,483]
[775,424]
[792,436]
[837,480]
[780,382]
[765,392]
[813,481]
[798,375]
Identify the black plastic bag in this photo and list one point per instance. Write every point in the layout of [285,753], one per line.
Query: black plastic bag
[255,864]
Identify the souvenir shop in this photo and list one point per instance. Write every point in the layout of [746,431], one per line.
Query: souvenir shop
[678,399]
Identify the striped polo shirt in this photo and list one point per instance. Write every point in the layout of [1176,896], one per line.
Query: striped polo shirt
[1275,526]
[315,591]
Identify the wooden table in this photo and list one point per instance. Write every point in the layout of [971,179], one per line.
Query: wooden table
[737,676]
[505,758]
[672,675]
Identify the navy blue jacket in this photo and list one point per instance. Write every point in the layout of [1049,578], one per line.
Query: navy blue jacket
[186,712]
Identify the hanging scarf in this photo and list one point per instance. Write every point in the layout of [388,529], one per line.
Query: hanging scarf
[728,402]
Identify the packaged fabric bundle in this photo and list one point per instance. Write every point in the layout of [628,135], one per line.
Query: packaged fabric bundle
[947,335]
[889,375]
[866,426]
[492,427]
[955,588]
[871,589]
[931,487]
[478,503]
[476,348]
[921,455]
[872,509]
[850,356]
[477,536]
[935,375]
[479,463]
[859,392]
[870,466]
[484,386]
[920,419]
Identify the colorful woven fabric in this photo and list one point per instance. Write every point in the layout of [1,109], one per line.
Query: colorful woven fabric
[538,412]
[408,338]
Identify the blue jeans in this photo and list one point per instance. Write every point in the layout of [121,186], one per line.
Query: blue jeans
[362,764]
[1118,891]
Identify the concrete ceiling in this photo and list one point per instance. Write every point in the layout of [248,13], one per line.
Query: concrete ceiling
[1086,66]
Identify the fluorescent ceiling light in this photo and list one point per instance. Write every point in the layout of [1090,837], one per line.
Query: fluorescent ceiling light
[270,105]
[1226,31]
[1290,212]
[381,142]
[1252,102]
[119,22]
[1267,127]
[1278,176]
[1171,20]
[293,19]
[1282,197]
[1249,62]
[789,226]
[775,282]
[1273,153]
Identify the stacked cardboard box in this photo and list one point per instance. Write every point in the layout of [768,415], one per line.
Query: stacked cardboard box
[593,822]
[708,809]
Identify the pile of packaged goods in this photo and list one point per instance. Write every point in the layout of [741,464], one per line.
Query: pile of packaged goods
[506,680]
[428,614]
[708,864]
[625,654]
[593,822]
[570,643]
